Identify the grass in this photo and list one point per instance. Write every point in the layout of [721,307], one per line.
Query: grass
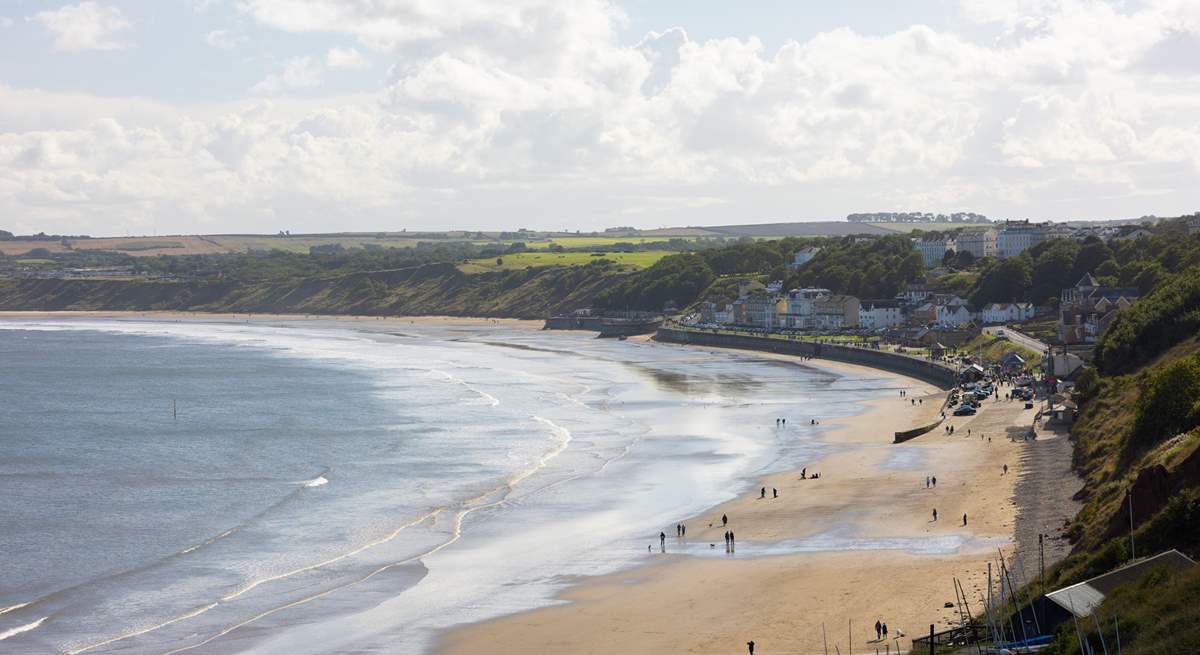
[536,259]
[992,349]
[36,262]
[1045,329]
[589,242]
[1158,615]
[243,243]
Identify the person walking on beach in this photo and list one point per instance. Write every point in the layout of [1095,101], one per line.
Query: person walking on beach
[774,492]
[683,530]
[934,513]
[885,631]
[1006,469]
[927,482]
[763,493]
[662,540]
[878,630]
[750,645]
[724,520]
[964,519]
[934,479]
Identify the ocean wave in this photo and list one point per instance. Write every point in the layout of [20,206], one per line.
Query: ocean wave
[487,397]
[21,628]
[12,608]
[564,438]
[316,482]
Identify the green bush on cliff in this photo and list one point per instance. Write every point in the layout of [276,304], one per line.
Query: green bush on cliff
[1154,323]
[1169,402]
[678,278]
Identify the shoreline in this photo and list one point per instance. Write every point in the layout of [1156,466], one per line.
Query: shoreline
[850,534]
[229,316]
[863,546]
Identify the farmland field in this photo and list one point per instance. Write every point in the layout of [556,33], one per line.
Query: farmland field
[527,259]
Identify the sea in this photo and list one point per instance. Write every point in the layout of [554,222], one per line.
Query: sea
[359,486]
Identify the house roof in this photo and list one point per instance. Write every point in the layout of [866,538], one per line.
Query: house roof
[1087,281]
[1080,599]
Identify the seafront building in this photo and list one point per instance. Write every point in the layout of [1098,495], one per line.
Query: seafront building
[799,308]
[877,314]
[836,312]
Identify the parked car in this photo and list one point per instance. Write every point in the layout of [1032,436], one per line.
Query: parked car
[964,410]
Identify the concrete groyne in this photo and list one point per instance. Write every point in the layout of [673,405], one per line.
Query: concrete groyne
[935,373]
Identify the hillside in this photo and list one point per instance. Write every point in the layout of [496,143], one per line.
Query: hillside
[432,289]
[1138,435]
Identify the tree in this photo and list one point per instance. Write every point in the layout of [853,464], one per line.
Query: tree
[1007,280]
[499,261]
[1092,254]
[1053,268]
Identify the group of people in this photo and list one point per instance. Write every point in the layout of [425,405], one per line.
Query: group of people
[881,631]
[680,530]
[774,493]
[780,421]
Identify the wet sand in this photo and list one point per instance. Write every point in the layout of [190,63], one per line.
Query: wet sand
[858,544]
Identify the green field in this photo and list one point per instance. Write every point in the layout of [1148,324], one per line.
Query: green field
[527,259]
[588,242]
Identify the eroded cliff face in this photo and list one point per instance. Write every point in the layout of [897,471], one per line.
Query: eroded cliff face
[435,289]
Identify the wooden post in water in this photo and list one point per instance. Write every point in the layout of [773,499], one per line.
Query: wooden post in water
[930,639]
[174,410]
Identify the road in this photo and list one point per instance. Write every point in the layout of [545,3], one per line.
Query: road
[1017,338]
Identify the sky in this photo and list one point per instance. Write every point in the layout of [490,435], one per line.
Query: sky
[130,117]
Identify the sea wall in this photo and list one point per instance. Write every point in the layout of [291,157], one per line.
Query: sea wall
[932,372]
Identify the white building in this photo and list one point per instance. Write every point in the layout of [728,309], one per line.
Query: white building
[1007,312]
[933,247]
[953,315]
[1017,237]
[800,308]
[803,256]
[981,243]
[875,314]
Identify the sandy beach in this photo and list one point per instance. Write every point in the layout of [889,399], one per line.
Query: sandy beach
[870,491]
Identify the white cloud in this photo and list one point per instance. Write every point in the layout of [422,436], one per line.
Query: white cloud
[85,26]
[5,22]
[496,112]
[345,58]
[224,39]
[297,73]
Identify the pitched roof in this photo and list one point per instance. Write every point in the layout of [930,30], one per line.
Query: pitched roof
[1080,599]
[1087,281]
